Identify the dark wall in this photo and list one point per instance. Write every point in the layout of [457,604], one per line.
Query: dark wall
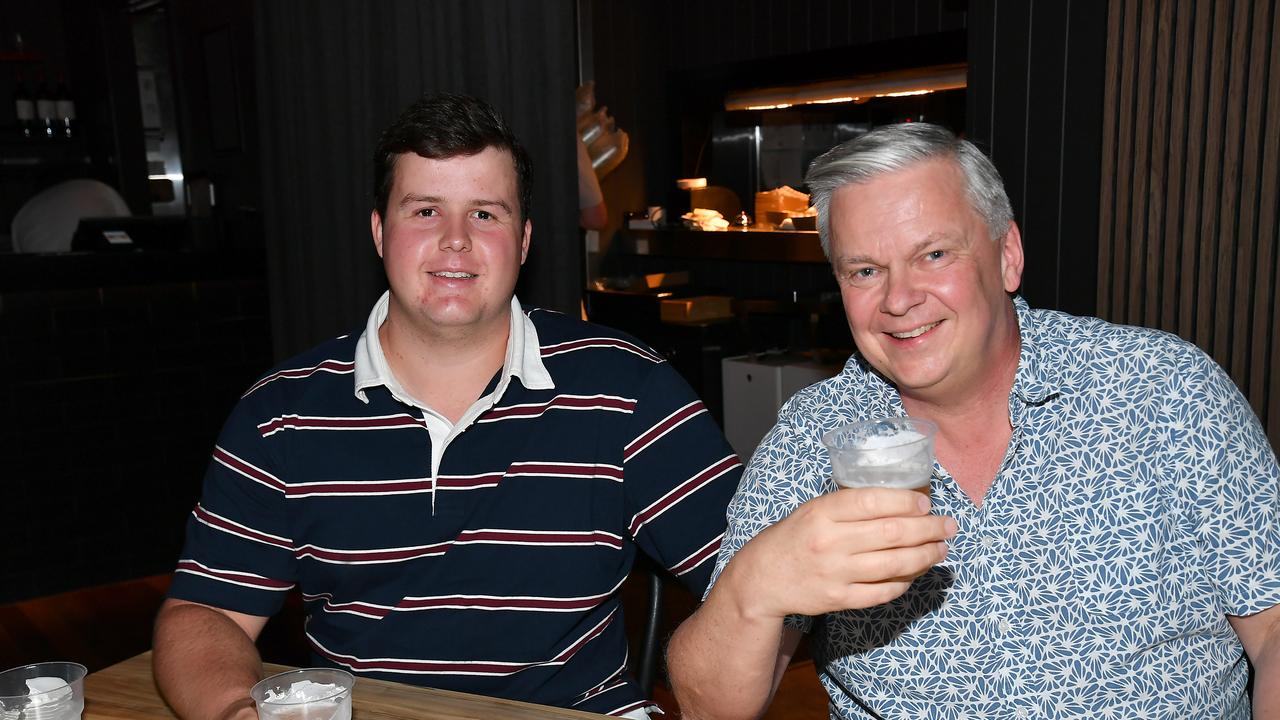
[112,390]
[333,74]
[1035,106]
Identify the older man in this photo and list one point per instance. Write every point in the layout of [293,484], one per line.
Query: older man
[459,489]
[1118,545]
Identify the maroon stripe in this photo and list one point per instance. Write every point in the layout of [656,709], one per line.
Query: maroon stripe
[337,365]
[424,666]
[246,469]
[361,607]
[302,422]
[537,539]
[696,560]
[592,635]
[688,411]
[529,603]
[343,488]
[561,401]
[598,342]
[216,521]
[257,581]
[688,487]
[445,482]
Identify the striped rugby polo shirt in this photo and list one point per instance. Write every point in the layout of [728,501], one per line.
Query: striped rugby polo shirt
[497,574]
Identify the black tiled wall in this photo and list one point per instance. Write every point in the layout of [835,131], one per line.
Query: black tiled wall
[111,397]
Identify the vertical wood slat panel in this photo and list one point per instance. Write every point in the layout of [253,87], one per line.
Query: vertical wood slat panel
[1212,175]
[1140,130]
[1265,315]
[1191,181]
[1109,185]
[1159,152]
[1124,173]
[1195,160]
[1237,71]
[1177,178]
[1247,278]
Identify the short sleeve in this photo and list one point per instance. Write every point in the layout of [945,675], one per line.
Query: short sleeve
[789,467]
[1224,471]
[679,473]
[239,552]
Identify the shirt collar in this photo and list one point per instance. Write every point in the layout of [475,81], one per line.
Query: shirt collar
[523,359]
[1036,380]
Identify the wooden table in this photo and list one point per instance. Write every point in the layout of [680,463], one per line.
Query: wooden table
[126,691]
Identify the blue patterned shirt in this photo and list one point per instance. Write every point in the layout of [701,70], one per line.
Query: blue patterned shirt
[1136,507]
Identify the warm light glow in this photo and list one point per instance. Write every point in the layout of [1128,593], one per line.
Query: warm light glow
[899,83]
[172,177]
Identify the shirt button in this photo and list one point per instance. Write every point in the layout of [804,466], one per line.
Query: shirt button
[1005,626]
[988,542]
[1021,712]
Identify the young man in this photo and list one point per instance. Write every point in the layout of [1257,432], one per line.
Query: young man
[459,490]
[1118,545]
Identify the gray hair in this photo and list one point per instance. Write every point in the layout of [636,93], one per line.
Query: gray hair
[894,147]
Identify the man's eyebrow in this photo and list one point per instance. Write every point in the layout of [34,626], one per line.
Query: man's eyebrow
[930,239]
[499,203]
[411,198]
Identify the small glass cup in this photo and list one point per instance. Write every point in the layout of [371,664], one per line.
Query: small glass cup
[43,691]
[302,695]
[889,452]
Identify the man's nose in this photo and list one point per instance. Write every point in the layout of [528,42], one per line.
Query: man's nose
[901,292]
[455,236]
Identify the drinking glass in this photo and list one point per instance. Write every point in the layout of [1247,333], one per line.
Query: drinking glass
[889,452]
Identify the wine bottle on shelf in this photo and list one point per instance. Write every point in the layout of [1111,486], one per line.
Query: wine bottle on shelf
[64,109]
[45,109]
[24,107]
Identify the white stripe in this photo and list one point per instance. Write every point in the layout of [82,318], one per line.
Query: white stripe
[294,489]
[621,345]
[209,574]
[330,608]
[245,528]
[715,541]
[283,374]
[242,473]
[352,660]
[679,488]
[632,454]
[310,550]
[300,422]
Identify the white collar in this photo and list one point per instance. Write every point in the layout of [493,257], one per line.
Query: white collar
[523,360]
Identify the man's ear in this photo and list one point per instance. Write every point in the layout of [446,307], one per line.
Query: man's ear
[524,243]
[375,225]
[1011,258]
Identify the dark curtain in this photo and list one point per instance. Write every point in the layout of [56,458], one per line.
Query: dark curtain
[331,75]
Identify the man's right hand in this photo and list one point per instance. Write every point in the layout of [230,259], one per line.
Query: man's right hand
[844,550]
[849,549]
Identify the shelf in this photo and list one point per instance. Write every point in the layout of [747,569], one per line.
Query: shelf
[799,246]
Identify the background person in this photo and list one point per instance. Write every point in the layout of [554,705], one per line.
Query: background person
[1118,548]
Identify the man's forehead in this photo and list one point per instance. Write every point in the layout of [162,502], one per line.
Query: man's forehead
[495,157]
